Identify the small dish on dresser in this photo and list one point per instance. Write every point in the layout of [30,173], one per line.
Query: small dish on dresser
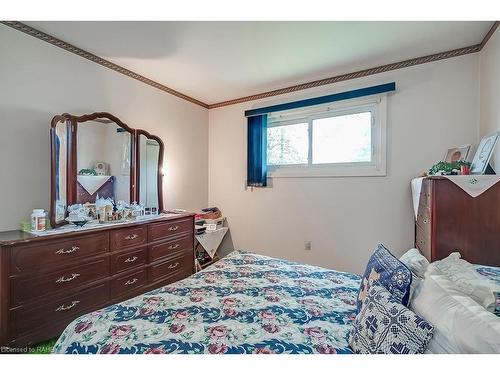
[78,223]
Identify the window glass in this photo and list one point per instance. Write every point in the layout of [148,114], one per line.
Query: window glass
[342,139]
[288,144]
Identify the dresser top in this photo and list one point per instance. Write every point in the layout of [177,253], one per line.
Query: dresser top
[12,237]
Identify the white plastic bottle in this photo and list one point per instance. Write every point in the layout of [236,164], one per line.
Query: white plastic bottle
[38,220]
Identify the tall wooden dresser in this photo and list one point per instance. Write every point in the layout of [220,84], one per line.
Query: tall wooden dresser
[47,281]
[450,220]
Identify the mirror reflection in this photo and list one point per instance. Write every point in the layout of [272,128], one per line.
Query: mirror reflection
[149,161]
[61,168]
[102,170]
[104,155]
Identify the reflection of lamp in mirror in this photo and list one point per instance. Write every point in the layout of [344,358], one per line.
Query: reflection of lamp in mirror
[125,162]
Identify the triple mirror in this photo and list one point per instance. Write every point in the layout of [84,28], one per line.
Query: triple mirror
[98,156]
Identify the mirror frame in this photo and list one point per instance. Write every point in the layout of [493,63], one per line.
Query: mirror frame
[72,123]
[160,166]
[65,119]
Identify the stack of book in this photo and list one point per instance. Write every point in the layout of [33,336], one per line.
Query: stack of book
[209,219]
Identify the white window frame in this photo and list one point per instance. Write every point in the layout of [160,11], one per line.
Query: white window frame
[376,167]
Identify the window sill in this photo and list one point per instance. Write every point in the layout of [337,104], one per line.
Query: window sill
[347,171]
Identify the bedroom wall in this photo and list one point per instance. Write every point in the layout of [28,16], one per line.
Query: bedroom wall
[490,92]
[39,81]
[435,107]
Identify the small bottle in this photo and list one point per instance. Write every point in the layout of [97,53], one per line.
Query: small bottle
[38,220]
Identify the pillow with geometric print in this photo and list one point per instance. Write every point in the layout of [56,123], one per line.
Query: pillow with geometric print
[387,270]
[384,326]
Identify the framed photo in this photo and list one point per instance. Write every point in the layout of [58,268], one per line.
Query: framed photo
[90,210]
[483,153]
[457,153]
[101,168]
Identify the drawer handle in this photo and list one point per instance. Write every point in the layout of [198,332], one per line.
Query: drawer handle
[426,221]
[69,251]
[64,308]
[172,229]
[131,282]
[62,279]
[172,247]
[132,236]
[131,260]
[172,266]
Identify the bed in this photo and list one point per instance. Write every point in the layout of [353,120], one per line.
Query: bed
[245,303]
[490,272]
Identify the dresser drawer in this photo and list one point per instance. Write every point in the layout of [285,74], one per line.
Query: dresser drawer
[129,282]
[171,278]
[133,236]
[423,241]
[26,319]
[24,289]
[425,193]
[170,267]
[170,229]
[44,255]
[424,217]
[123,261]
[171,248]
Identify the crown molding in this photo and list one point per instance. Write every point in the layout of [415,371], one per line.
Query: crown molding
[303,86]
[366,72]
[489,33]
[98,60]
[354,75]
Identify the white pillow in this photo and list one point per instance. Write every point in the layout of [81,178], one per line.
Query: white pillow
[465,279]
[415,261]
[461,325]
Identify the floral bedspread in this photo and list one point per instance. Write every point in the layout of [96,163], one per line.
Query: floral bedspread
[245,303]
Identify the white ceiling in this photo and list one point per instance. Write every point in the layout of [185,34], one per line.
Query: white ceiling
[218,61]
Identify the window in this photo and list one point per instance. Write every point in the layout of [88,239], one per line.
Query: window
[346,140]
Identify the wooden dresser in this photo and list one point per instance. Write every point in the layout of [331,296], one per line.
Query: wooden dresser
[47,281]
[451,220]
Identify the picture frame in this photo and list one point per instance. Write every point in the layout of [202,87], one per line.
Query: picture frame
[459,153]
[101,168]
[483,153]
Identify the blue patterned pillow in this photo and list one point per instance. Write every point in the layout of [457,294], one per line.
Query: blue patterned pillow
[393,275]
[384,326]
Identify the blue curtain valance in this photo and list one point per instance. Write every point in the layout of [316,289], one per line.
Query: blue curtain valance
[366,91]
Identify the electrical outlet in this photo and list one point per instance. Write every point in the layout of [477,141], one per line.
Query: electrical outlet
[308,245]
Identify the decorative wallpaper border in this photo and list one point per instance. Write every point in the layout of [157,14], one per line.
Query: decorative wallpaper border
[489,33]
[303,86]
[354,75]
[98,60]
[366,72]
